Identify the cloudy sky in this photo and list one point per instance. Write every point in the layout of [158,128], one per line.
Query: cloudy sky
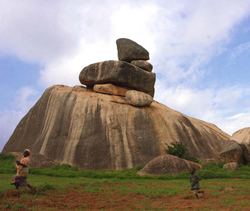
[199,49]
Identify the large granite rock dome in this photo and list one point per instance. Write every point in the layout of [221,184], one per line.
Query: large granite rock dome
[98,131]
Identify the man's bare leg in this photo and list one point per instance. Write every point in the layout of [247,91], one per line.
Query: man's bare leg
[196,193]
[201,191]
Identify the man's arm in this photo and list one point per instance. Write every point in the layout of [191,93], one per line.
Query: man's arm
[197,178]
[20,164]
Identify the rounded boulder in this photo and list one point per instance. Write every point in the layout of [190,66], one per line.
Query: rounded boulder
[168,164]
[233,166]
[139,99]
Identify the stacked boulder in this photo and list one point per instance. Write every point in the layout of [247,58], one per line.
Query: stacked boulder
[242,137]
[232,155]
[232,152]
[236,150]
[130,77]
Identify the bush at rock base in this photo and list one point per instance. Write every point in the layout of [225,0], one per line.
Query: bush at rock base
[180,150]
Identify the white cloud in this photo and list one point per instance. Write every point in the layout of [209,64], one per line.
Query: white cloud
[96,48]
[237,116]
[25,98]
[35,31]
[234,123]
[194,33]
[219,106]
[9,118]
[243,48]
[181,37]
[42,32]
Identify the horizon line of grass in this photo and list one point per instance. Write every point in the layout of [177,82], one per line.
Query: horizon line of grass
[210,171]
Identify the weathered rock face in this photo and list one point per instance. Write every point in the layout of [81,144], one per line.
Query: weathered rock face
[168,164]
[36,160]
[243,138]
[118,72]
[129,50]
[97,131]
[138,99]
[232,152]
[233,166]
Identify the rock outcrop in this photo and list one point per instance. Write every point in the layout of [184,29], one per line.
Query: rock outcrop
[168,164]
[243,138]
[113,123]
[78,126]
[232,152]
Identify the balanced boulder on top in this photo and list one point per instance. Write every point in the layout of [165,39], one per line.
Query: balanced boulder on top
[120,73]
[132,71]
[129,50]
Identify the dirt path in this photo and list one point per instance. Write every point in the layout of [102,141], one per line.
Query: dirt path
[78,199]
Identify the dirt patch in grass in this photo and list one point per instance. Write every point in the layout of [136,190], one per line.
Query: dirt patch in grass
[122,196]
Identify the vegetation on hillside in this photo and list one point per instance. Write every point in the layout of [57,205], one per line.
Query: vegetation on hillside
[180,150]
[64,170]
[138,192]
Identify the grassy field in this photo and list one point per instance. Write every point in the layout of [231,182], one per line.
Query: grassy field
[67,188]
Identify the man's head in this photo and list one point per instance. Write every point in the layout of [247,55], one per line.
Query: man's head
[192,170]
[26,152]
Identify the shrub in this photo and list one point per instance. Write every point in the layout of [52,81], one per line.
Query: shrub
[7,157]
[138,168]
[7,164]
[177,148]
[180,150]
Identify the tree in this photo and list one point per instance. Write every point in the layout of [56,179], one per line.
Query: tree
[177,148]
[180,150]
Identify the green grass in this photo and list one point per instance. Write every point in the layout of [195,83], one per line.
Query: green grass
[209,172]
[14,206]
[7,164]
[140,192]
[91,185]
